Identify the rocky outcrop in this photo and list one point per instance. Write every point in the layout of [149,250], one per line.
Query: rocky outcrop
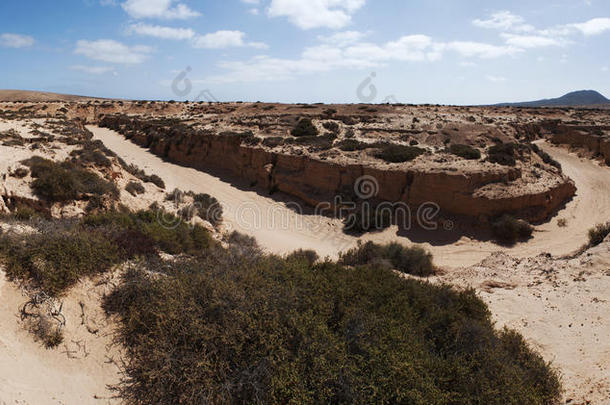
[318,181]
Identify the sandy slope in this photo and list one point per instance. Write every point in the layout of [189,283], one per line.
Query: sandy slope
[75,373]
[280,230]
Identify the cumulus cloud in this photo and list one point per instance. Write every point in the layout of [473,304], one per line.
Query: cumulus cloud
[16,41]
[595,26]
[532,41]
[335,54]
[163,9]
[162,32]
[225,39]
[504,20]
[343,38]
[107,50]
[308,14]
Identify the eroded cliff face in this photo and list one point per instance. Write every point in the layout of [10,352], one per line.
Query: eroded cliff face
[592,138]
[473,193]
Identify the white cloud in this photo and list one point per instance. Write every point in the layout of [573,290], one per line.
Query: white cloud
[94,70]
[162,32]
[595,26]
[225,39]
[504,20]
[107,50]
[531,41]
[307,14]
[163,9]
[482,50]
[16,41]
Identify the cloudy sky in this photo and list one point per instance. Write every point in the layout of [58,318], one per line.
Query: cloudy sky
[410,51]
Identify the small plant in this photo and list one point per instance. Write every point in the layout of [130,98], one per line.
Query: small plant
[509,230]
[305,128]
[409,260]
[393,153]
[135,188]
[63,182]
[503,154]
[465,151]
[598,234]
[351,145]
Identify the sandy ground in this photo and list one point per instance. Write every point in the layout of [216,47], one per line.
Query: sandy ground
[279,229]
[77,372]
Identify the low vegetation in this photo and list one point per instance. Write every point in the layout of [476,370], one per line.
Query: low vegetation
[408,260]
[62,253]
[598,234]
[503,154]
[312,333]
[393,153]
[509,230]
[305,128]
[465,151]
[135,188]
[63,182]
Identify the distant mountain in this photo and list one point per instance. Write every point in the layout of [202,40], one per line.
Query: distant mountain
[39,96]
[576,98]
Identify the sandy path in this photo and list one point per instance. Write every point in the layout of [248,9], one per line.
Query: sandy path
[281,230]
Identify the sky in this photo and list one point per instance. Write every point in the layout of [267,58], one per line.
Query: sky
[332,51]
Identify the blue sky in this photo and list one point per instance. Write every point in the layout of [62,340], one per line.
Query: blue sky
[410,51]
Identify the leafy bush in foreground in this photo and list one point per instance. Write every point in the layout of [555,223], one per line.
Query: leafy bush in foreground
[409,260]
[465,151]
[398,153]
[238,329]
[598,234]
[509,230]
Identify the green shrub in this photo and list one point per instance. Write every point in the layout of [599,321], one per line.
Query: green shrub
[322,142]
[225,329]
[507,229]
[409,260]
[398,153]
[208,208]
[169,233]
[502,153]
[305,128]
[63,182]
[135,188]
[56,260]
[598,234]
[465,151]
[351,145]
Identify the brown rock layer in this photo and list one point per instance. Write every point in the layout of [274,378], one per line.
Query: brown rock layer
[318,181]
